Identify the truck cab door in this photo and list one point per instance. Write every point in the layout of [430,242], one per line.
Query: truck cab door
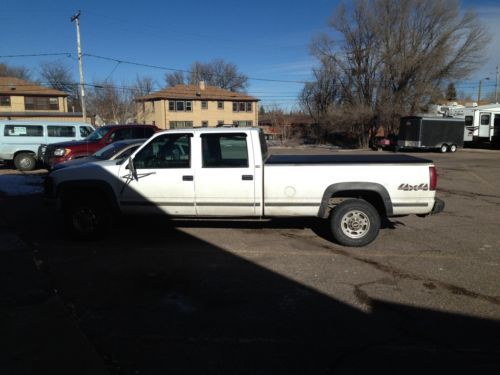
[225,177]
[165,182]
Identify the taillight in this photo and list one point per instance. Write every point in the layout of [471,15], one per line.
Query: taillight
[432,178]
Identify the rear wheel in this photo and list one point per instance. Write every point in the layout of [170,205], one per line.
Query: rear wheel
[87,217]
[444,148]
[453,148]
[25,161]
[354,222]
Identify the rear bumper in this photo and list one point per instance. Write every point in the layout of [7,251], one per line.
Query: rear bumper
[438,206]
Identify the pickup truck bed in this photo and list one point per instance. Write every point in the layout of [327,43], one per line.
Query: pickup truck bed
[344,159]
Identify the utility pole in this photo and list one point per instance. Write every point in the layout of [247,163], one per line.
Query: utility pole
[479,92]
[76,17]
[496,87]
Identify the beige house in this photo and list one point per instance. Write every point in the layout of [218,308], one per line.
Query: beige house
[184,106]
[21,100]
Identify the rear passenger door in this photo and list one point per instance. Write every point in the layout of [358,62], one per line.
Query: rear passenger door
[225,176]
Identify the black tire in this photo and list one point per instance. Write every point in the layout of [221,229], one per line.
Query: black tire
[453,148]
[355,223]
[25,161]
[443,148]
[87,217]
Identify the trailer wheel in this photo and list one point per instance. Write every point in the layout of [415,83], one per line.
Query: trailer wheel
[453,148]
[444,148]
[354,222]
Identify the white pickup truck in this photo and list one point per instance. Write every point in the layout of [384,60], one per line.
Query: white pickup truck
[227,173]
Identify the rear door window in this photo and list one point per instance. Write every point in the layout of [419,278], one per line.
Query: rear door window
[225,150]
[23,131]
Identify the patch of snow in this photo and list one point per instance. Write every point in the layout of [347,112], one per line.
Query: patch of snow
[13,185]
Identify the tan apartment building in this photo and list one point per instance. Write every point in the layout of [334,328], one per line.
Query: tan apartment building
[185,106]
[21,100]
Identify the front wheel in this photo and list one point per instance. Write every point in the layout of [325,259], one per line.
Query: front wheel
[87,217]
[355,222]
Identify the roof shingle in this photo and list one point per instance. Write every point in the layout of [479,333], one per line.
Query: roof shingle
[16,86]
[194,92]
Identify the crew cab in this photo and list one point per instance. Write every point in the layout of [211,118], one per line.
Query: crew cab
[55,153]
[227,173]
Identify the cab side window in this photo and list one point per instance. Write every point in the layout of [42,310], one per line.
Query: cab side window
[166,151]
[224,150]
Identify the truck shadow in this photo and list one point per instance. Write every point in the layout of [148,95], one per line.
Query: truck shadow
[155,300]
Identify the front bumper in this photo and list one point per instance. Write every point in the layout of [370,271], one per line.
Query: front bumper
[438,206]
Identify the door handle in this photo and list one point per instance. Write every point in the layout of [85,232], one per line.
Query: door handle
[187,178]
[247,177]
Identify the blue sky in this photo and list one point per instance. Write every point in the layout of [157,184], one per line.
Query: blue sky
[265,39]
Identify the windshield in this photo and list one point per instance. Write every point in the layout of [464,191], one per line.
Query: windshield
[97,134]
[110,150]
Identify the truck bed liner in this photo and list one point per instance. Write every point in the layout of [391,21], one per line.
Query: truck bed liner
[344,159]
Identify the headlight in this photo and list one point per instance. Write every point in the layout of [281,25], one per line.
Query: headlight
[60,152]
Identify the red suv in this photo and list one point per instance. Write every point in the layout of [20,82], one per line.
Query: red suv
[56,153]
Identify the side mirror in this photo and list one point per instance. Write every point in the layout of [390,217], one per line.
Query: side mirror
[132,170]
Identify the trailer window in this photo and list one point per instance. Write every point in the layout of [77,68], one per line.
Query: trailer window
[468,120]
[485,119]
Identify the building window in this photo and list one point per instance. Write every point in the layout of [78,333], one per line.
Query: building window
[220,104]
[180,106]
[153,107]
[180,124]
[204,124]
[242,123]
[220,123]
[5,101]
[242,106]
[40,103]
[204,104]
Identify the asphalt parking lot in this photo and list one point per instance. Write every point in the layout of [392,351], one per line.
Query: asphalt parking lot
[276,297]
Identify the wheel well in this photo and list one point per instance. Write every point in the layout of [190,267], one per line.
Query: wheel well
[66,193]
[371,197]
[25,152]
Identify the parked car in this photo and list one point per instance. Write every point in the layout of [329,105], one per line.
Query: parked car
[20,140]
[389,142]
[113,151]
[56,153]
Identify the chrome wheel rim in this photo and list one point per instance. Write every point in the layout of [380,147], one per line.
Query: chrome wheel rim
[25,163]
[355,224]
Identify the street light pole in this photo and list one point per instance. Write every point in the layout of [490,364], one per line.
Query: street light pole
[76,17]
[479,92]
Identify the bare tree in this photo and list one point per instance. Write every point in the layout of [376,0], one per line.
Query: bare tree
[393,56]
[220,74]
[113,104]
[59,77]
[175,78]
[15,71]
